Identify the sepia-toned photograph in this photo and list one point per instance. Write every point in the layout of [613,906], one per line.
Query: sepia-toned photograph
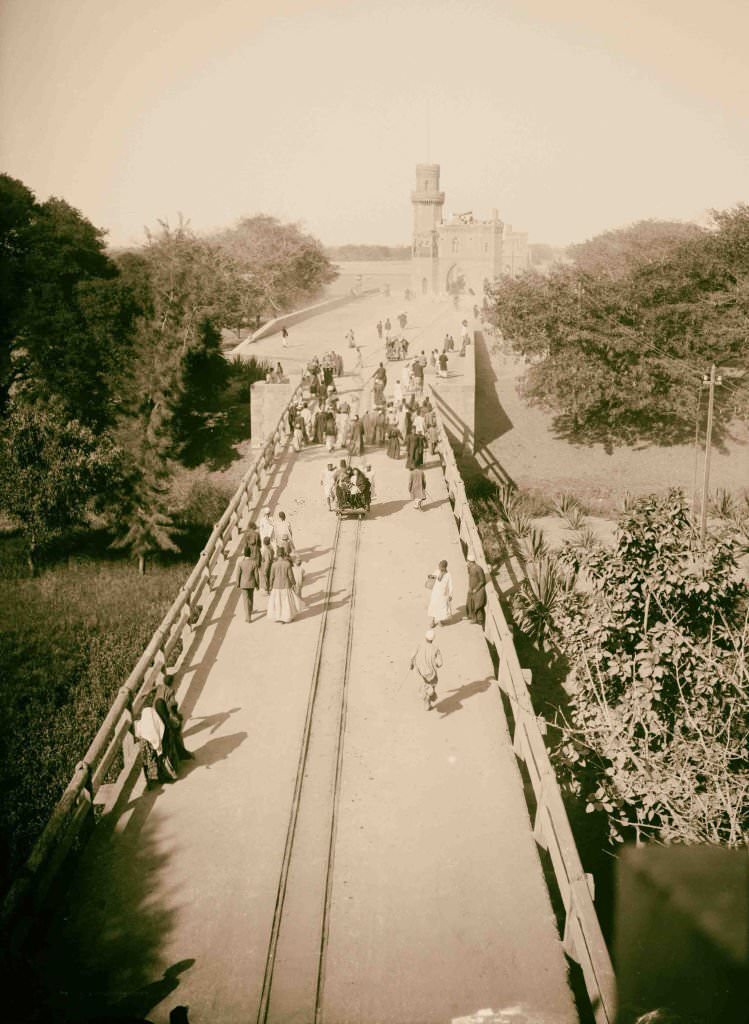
[420,327]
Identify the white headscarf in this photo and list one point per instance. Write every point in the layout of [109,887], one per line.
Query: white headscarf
[150,727]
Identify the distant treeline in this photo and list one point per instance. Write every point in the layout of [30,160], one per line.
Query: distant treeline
[368,252]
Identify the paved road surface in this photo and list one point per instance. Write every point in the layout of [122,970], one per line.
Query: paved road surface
[437,905]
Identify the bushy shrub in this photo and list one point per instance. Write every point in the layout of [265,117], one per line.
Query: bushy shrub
[659,705]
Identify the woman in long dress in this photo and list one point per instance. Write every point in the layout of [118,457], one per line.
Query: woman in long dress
[283,603]
[440,602]
[394,442]
[380,427]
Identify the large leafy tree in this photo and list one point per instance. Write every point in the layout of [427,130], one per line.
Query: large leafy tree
[617,345]
[53,470]
[18,210]
[280,265]
[72,318]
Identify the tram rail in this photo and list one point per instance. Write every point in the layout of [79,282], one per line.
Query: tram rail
[303,903]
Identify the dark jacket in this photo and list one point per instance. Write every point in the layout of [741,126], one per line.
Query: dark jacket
[246,576]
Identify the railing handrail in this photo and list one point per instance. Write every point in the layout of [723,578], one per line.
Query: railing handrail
[49,849]
[583,938]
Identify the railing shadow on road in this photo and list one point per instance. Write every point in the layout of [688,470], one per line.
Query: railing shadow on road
[105,960]
[212,722]
[113,753]
[582,937]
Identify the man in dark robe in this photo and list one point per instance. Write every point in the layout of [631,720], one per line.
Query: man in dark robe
[476,594]
[368,421]
[356,445]
[415,451]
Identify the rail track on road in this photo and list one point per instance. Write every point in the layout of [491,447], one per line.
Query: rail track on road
[294,976]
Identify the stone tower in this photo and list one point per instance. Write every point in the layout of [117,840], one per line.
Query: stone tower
[427,202]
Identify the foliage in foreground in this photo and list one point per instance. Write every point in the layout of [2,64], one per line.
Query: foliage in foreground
[659,706]
[617,342]
[653,636]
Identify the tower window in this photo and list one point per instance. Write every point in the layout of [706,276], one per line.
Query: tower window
[426,186]
[456,244]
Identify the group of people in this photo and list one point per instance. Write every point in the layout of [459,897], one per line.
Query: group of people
[396,348]
[347,487]
[427,658]
[275,375]
[271,564]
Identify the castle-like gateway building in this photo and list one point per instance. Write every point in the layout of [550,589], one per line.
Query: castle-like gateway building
[461,254]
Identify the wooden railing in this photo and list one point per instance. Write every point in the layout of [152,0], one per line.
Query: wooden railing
[115,739]
[583,939]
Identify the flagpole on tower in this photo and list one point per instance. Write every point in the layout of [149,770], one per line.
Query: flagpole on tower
[429,132]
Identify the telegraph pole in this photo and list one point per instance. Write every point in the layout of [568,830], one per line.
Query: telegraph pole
[711,381]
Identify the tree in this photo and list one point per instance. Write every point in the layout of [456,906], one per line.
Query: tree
[197,410]
[614,253]
[658,714]
[280,265]
[72,331]
[617,355]
[18,210]
[52,471]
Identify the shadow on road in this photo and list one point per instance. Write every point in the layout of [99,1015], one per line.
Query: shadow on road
[449,705]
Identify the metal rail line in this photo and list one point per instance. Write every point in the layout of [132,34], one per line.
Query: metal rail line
[330,829]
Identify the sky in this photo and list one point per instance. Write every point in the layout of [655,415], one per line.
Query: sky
[568,116]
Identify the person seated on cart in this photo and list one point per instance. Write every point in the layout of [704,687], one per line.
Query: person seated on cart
[360,489]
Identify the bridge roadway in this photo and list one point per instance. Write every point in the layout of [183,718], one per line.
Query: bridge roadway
[412,890]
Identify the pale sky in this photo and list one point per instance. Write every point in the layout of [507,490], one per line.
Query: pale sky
[569,116]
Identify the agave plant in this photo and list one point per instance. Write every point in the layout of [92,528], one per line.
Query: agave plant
[567,507]
[722,504]
[539,598]
[531,547]
[584,540]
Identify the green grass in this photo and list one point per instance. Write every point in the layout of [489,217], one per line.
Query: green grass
[68,640]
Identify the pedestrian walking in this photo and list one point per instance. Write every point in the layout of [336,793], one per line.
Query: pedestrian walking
[440,601]
[252,538]
[356,446]
[265,524]
[379,329]
[443,365]
[282,534]
[417,486]
[298,571]
[476,595]
[266,564]
[283,603]
[329,429]
[425,660]
[247,578]
[327,482]
[394,438]
[284,337]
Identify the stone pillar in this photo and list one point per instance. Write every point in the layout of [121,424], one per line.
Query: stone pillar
[267,402]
